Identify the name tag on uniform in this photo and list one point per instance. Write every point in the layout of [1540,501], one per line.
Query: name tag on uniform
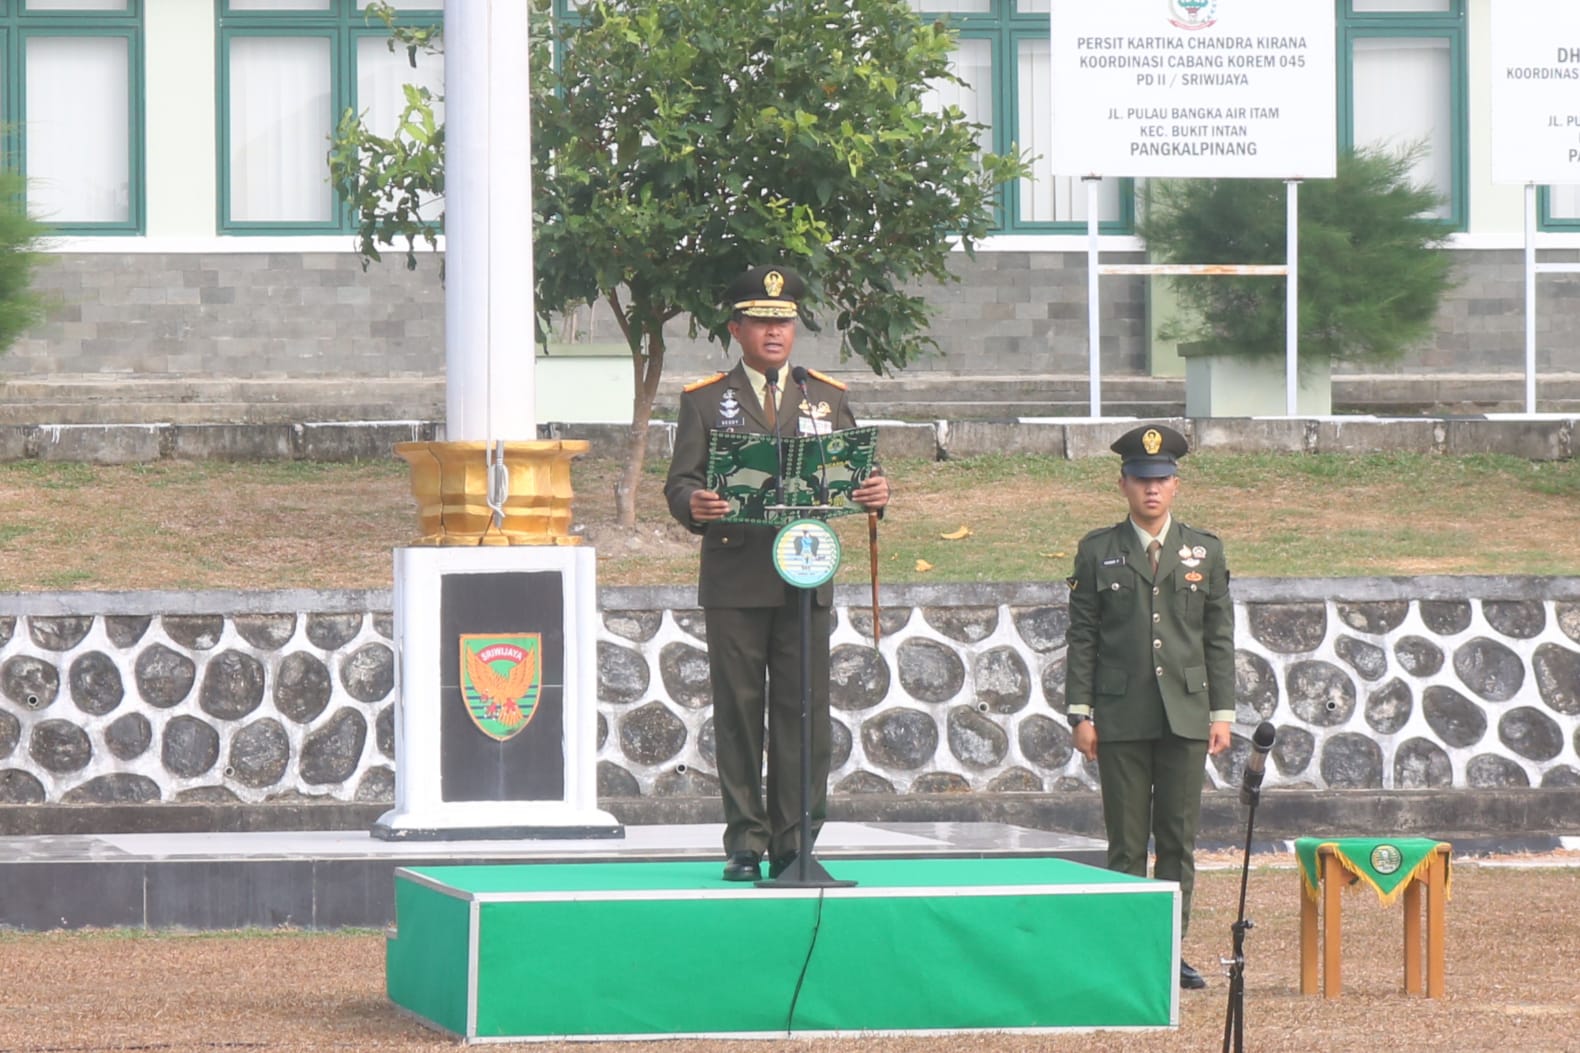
[808,426]
[1113,561]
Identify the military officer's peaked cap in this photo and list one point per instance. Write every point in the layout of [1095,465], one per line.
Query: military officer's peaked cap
[1151,451]
[767,292]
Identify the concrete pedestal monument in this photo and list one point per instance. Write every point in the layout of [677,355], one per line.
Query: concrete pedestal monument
[496,601]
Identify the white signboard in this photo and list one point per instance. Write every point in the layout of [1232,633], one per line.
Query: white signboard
[1194,88]
[1535,91]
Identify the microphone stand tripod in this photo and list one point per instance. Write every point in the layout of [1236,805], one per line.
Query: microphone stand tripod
[1234,1017]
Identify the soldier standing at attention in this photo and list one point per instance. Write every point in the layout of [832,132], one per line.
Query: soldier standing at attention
[1150,666]
[752,616]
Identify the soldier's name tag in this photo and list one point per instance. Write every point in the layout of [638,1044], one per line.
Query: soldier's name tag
[1113,561]
[808,426]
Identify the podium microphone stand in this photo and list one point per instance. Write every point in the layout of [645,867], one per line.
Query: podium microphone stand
[805,871]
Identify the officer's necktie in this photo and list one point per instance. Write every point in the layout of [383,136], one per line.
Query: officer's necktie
[771,405]
[1152,555]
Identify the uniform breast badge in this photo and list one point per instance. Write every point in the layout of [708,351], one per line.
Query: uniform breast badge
[814,419]
[730,415]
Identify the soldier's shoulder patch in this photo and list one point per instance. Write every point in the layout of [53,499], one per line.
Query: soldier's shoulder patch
[704,382]
[1072,581]
[1198,530]
[825,378]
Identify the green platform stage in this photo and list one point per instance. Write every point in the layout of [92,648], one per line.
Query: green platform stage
[664,950]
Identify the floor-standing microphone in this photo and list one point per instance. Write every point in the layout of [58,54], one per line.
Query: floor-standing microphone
[798,374]
[1261,742]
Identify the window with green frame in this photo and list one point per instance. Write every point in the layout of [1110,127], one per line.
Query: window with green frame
[1402,83]
[1560,207]
[287,70]
[1003,56]
[72,106]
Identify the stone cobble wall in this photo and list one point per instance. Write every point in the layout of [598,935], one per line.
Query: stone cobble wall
[1396,684]
[314,314]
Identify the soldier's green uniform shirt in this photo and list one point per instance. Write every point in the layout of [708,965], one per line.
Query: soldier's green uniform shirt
[1149,655]
[753,618]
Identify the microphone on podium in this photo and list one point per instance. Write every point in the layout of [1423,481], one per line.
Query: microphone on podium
[771,374]
[1255,766]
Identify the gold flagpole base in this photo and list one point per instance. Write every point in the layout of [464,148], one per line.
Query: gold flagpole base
[450,482]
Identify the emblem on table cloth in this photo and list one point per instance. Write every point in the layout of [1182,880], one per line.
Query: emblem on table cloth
[1386,859]
[501,675]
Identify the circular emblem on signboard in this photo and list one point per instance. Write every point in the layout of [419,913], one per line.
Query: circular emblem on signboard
[1193,14]
[1386,859]
[806,553]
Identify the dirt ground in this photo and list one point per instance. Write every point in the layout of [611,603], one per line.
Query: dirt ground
[1513,950]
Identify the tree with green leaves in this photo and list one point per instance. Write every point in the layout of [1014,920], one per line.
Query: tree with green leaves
[678,142]
[20,307]
[1372,269]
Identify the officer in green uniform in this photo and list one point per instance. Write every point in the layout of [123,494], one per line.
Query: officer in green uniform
[752,615]
[1150,666]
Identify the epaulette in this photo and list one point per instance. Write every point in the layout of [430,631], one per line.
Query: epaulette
[704,382]
[825,378]
[1199,530]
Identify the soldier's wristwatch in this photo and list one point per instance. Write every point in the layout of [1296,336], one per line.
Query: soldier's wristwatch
[1077,719]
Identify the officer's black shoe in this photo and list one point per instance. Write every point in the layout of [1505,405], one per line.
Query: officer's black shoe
[780,865]
[743,866]
[1190,979]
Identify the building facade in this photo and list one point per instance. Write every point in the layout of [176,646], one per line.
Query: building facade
[177,149]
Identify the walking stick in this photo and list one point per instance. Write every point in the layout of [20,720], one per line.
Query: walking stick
[872,548]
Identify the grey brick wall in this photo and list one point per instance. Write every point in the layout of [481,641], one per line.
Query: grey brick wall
[242,315]
[279,314]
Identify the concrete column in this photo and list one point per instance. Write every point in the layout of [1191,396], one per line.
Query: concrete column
[488,313]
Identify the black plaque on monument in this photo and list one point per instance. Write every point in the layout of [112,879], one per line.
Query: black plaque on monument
[501,688]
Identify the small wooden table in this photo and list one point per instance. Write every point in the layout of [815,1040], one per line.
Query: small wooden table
[1332,877]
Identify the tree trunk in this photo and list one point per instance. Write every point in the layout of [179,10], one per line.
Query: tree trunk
[647,369]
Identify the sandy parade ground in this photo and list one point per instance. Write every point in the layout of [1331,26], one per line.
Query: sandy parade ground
[1513,936]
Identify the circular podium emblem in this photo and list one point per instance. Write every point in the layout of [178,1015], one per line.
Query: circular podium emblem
[806,553]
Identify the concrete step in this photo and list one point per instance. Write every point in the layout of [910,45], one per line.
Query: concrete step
[917,395]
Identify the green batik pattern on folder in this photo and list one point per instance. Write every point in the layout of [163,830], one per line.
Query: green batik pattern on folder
[742,467]
[1387,864]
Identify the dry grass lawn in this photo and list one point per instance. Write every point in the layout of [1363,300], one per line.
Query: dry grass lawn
[180,525]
